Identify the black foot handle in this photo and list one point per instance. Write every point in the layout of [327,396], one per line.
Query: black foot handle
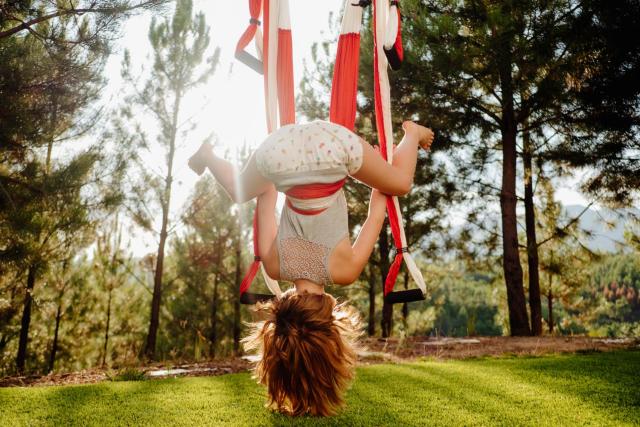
[250,61]
[404,296]
[250,299]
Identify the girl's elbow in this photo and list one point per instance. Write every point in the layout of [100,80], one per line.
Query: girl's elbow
[346,277]
[404,188]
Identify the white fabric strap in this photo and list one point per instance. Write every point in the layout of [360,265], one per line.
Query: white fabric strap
[351,18]
[273,285]
[272,62]
[382,18]
[314,204]
[284,19]
[271,94]
[381,11]
[392,28]
[258,43]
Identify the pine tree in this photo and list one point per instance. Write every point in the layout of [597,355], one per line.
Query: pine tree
[179,48]
[203,256]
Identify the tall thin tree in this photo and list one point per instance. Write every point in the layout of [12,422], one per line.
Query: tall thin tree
[180,45]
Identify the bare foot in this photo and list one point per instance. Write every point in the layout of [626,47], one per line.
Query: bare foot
[424,135]
[198,162]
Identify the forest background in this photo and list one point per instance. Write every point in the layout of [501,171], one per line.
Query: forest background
[524,217]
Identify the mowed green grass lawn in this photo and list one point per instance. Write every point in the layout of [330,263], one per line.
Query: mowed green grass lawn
[585,389]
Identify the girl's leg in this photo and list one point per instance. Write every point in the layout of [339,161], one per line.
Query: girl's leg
[241,187]
[394,179]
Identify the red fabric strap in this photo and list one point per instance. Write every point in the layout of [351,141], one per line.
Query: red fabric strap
[286,98]
[315,191]
[312,191]
[344,86]
[394,221]
[398,43]
[392,275]
[250,32]
[284,93]
[248,277]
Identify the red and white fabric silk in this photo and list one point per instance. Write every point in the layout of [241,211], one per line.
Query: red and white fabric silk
[277,67]
[393,37]
[251,33]
[382,96]
[275,52]
[344,87]
[286,98]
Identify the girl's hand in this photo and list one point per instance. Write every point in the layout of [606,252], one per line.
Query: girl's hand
[423,134]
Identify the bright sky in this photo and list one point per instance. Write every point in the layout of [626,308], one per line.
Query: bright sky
[231,105]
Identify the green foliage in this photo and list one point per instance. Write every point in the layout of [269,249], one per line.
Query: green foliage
[179,48]
[468,307]
[129,374]
[615,284]
[202,295]
[180,45]
[89,23]
[460,303]
[594,389]
[604,90]
[572,68]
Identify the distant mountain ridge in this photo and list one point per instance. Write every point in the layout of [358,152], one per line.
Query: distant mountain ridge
[605,238]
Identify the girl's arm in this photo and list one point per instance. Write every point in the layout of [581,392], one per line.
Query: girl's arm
[348,269]
[370,231]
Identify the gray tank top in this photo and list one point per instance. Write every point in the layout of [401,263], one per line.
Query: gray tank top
[305,242]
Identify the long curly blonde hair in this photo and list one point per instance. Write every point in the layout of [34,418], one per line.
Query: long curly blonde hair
[306,345]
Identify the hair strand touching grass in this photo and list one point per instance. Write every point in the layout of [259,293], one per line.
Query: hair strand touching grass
[307,348]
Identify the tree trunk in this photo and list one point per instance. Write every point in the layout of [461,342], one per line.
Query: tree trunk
[154,322]
[550,306]
[56,333]
[518,319]
[371,327]
[106,331]
[236,299]
[54,346]
[535,304]
[26,320]
[386,324]
[213,337]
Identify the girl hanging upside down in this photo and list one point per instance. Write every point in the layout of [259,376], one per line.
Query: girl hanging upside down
[306,341]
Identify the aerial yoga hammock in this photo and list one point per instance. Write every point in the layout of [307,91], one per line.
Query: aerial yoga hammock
[274,47]
[305,340]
